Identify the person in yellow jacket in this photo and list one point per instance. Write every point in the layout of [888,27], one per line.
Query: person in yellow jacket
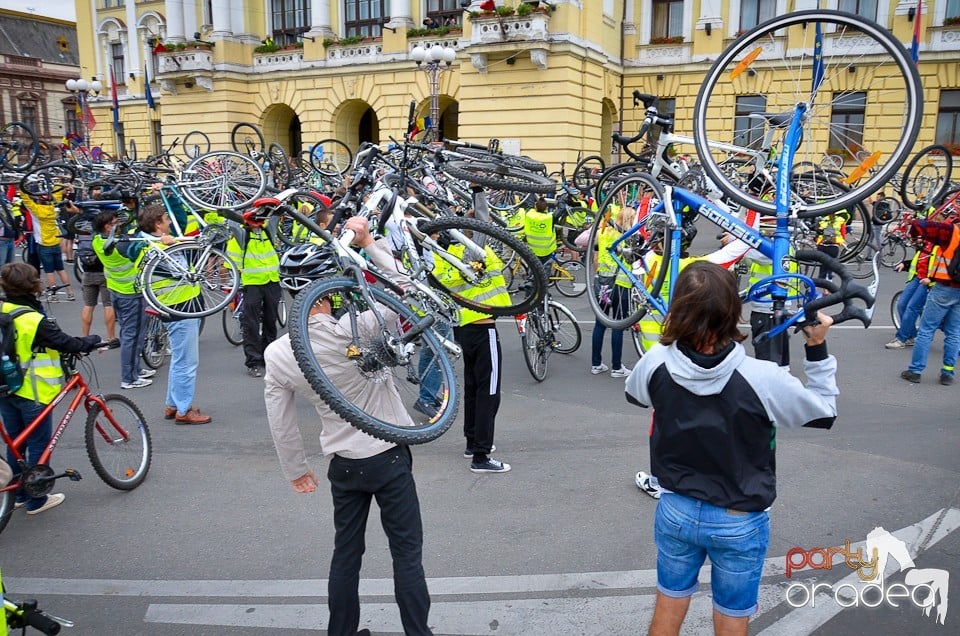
[39,342]
[613,291]
[41,205]
[538,231]
[259,266]
[831,237]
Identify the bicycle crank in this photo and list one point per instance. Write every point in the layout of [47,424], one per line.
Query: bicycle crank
[38,480]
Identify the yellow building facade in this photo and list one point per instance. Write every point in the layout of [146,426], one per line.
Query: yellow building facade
[552,81]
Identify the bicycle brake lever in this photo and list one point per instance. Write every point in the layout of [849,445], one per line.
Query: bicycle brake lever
[843,294]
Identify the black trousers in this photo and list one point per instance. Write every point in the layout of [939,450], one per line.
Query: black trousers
[776,349]
[259,320]
[482,371]
[354,482]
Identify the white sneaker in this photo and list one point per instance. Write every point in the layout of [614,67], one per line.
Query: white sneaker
[895,344]
[622,372]
[599,369]
[648,484]
[147,373]
[139,383]
[53,501]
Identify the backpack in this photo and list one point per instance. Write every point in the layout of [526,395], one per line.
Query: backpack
[8,347]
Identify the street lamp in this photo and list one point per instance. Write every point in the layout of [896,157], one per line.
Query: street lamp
[433,61]
[82,88]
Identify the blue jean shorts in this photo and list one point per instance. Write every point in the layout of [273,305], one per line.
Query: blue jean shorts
[687,531]
[51,259]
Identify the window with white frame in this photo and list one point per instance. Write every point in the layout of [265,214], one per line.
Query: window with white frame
[846,123]
[863,8]
[290,18]
[753,12]
[948,119]
[364,18]
[117,62]
[667,19]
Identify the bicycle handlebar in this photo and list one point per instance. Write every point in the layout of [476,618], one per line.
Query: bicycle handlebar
[27,614]
[845,293]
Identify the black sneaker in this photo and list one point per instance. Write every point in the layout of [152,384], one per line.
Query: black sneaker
[946,379]
[468,452]
[910,376]
[489,466]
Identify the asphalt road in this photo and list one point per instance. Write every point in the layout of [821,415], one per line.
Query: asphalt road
[216,542]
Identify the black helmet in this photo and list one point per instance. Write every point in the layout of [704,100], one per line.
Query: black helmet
[304,263]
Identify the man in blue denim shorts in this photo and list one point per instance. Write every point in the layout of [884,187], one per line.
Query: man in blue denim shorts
[712,445]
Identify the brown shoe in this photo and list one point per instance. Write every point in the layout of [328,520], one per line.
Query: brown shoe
[169,412]
[192,416]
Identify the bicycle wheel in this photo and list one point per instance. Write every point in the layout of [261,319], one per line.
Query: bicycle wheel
[18,146]
[282,311]
[536,345]
[894,315]
[196,143]
[155,343]
[331,157]
[892,252]
[587,172]
[565,328]
[500,176]
[381,373]
[926,177]
[6,508]
[190,270]
[232,324]
[132,150]
[247,139]
[279,165]
[569,277]
[471,244]
[572,223]
[875,73]
[118,446]
[632,197]
[285,230]
[222,180]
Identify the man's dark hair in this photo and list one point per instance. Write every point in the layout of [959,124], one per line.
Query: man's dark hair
[20,279]
[705,308]
[150,216]
[101,219]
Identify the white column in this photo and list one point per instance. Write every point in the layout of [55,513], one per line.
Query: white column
[190,24]
[133,41]
[174,10]
[320,19]
[221,19]
[147,68]
[400,14]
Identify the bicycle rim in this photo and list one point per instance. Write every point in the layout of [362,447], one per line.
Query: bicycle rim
[196,143]
[569,277]
[347,384]
[203,271]
[246,138]
[894,313]
[460,238]
[232,328]
[119,451]
[155,343]
[566,330]
[926,177]
[18,146]
[861,61]
[535,350]
[892,252]
[331,157]
[222,180]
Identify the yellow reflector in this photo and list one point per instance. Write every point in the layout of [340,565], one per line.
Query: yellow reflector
[862,169]
[746,62]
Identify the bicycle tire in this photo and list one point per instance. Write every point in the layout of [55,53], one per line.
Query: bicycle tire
[892,74]
[18,146]
[120,456]
[195,144]
[535,352]
[222,180]
[335,157]
[926,179]
[633,188]
[247,139]
[132,150]
[155,343]
[204,267]
[279,165]
[7,501]
[500,176]
[50,172]
[77,269]
[567,334]
[519,161]
[894,316]
[570,288]
[525,295]
[613,174]
[284,230]
[572,223]
[282,311]
[587,172]
[636,337]
[374,365]
[892,252]
[232,325]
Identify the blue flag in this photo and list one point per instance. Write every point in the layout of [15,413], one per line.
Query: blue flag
[817,61]
[146,88]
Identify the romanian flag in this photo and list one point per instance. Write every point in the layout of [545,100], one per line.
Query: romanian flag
[116,101]
[915,46]
[146,88]
[85,114]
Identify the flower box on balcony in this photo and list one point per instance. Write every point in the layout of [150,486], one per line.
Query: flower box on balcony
[491,29]
[953,20]
[673,39]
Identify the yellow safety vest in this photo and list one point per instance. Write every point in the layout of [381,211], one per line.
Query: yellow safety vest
[120,271]
[173,291]
[539,234]
[259,263]
[493,292]
[651,325]
[42,373]
[837,225]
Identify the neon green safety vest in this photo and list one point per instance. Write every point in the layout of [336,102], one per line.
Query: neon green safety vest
[42,373]
[173,291]
[539,234]
[259,262]
[837,224]
[493,292]
[605,264]
[120,271]
[651,325]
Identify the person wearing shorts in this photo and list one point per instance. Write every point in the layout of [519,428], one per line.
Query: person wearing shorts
[93,289]
[47,235]
[712,443]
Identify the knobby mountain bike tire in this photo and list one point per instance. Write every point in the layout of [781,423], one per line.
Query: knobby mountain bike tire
[350,385]
[155,343]
[458,237]
[926,177]
[566,330]
[120,451]
[202,268]
[500,176]
[627,197]
[877,65]
[519,161]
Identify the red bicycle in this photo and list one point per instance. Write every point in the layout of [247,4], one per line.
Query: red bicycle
[116,437]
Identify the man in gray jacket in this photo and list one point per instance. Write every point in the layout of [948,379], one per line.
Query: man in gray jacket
[361,467]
